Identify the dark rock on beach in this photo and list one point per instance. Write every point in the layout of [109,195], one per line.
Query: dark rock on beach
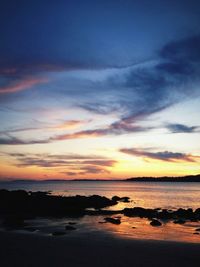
[139,212]
[30,204]
[155,222]
[112,220]
[121,199]
[180,221]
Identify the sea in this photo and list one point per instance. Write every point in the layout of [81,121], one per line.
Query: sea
[162,195]
[143,194]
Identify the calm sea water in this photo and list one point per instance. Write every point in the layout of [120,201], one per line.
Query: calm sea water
[148,195]
[143,194]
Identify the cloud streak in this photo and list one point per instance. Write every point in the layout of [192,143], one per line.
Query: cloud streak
[69,124]
[161,155]
[22,85]
[74,163]
[181,128]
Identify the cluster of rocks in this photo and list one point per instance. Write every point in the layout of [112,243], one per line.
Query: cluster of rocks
[179,215]
[18,206]
[24,204]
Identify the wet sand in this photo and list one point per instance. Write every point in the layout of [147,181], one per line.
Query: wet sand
[95,250]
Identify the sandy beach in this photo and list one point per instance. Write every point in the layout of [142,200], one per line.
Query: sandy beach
[30,250]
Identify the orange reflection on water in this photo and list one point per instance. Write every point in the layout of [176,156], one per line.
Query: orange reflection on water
[140,228]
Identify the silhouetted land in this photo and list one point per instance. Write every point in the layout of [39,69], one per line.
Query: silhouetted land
[185,179]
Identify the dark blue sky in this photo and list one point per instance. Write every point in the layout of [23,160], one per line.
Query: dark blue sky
[91,34]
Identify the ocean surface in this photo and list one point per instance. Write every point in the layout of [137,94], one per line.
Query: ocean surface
[143,194]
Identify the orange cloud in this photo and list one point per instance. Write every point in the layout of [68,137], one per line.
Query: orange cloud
[81,134]
[21,85]
[71,124]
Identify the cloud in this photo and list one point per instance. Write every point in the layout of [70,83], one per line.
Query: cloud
[69,124]
[181,128]
[149,87]
[122,126]
[21,85]
[162,156]
[93,170]
[53,160]
[134,92]
[10,140]
[85,170]
[75,164]
[185,50]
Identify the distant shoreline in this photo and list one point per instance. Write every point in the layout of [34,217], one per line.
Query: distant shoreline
[183,179]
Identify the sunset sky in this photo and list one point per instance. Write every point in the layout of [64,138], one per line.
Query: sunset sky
[99,89]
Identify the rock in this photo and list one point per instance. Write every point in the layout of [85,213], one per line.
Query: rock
[140,212]
[164,214]
[122,199]
[155,222]
[116,198]
[70,228]
[112,220]
[72,223]
[198,230]
[179,221]
[194,220]
[184,213]
[58,233]
[195,233]
[125,199]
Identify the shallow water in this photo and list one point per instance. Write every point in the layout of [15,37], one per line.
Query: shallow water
[143,194]
[147,195]
[131,228]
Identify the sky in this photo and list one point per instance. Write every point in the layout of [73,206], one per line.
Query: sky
[104,89]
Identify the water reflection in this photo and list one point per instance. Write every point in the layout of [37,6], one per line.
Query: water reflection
[140,228]
[130,227]
[143,194]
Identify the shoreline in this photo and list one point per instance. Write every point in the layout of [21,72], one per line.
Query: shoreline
[17,249]
[28,211]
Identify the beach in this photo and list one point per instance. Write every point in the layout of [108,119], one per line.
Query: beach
[30,250]
[42,229]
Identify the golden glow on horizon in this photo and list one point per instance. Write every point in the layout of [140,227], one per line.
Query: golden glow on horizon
[122,169]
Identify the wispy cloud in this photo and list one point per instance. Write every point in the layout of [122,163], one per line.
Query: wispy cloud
[65,125]
[74,163]
[182,128]
[122,126]
[155,85]
[161,155]
[22,85]
[10,140]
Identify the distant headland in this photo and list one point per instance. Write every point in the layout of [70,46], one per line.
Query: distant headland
[185,179]
[188,178]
